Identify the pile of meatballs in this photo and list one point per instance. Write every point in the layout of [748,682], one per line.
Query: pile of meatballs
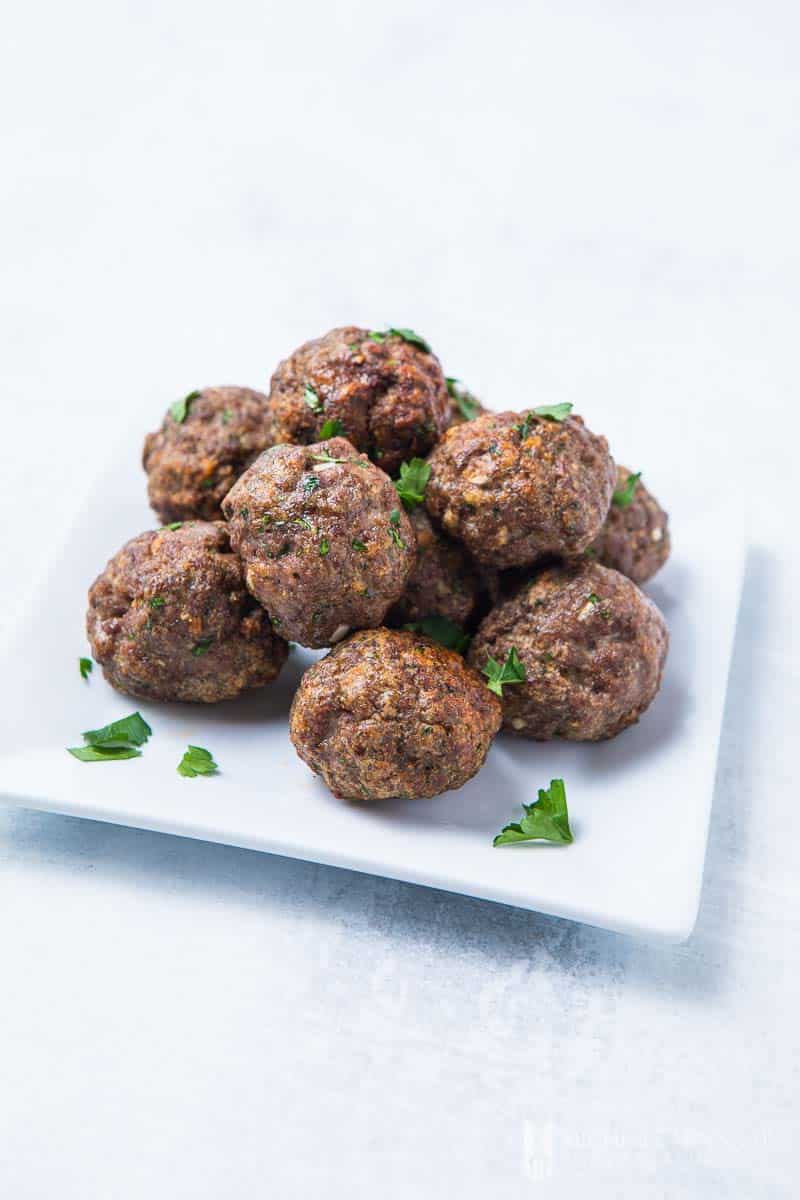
[510,536]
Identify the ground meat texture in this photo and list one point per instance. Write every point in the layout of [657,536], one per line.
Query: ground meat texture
[191,464]
[390,395]
[512,486]
[393,714]
[171,619]
[325,541]
[593,647]
[445,581]
[635,537]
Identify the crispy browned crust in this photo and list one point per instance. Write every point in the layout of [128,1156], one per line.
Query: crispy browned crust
[593,647]
[634,540]
[511,499]
[390,396]
[170,619]
[389,713]
[192,464]
[326,546]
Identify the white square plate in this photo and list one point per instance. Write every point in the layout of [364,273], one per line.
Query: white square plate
[639,805]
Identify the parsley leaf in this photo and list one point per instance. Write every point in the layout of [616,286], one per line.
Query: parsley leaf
[197,761]
[444,631]
[324,546]
[310,484]
[623,496]
[157,602]
[227,416]
[332,428]
[468,405]
[594,598]
[312,399]
[201,647]
[325,456]
[173,525]
[550,412]
[511,671]
[120,739]
[86,666]
[545,820]
[394,522]
[414,475]
[357,545]
[408,335]
[179,410]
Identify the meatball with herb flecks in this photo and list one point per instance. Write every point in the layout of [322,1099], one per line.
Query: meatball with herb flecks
[635,536]
[592,648]
[205,442]
[514,486]
[392,714]
[383,391]
[170,618]
[324,538]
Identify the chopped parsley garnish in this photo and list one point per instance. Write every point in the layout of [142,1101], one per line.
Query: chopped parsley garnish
[408,335]
[326,457]
[85,666]
[310,484]
[324,546]
[360,546]
[414,475]
[546,820]
[444,631]
[304,521]
[227,416]
[197,761]
[594,598]
[468,405]
[312,399]
[157,602]
[178,411]
[120,739]
[549,412]
[332,428]
[624,496]
[207,484]
[394,530]
[173,525]
[511,671]
[201,647]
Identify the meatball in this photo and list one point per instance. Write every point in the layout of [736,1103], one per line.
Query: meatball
[171,619]
[445,581]
[201,449]
[325,541]
[514,486]
[593,648]
[389,395]
[389,713]
[635,536]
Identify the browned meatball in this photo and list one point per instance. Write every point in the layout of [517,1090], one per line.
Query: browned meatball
[445,581]
[593,648]
[170,619]
[635,537]
[389,395]
[513,486]
[389,713]
[201,449]
[324,539]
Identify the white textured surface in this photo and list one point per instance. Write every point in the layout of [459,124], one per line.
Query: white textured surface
[606,198]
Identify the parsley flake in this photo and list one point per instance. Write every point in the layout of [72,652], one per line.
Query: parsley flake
[227,416]
[546,820]
[85,666]
[442,630]
[156,602]
[360,546]
[120,739]
[394,530]
[408,335]
[197,761]
[324,546]
[179,410]
[468,405]
[310,484]
[173,525]
[594,598]
[548,412]
[511,671]
[332,428]
[312,398]
[414,476]
[623,496]
[201,647]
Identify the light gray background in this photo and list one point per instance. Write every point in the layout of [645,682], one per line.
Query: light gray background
[584,202]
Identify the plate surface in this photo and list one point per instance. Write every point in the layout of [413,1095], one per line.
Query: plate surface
[639,805]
